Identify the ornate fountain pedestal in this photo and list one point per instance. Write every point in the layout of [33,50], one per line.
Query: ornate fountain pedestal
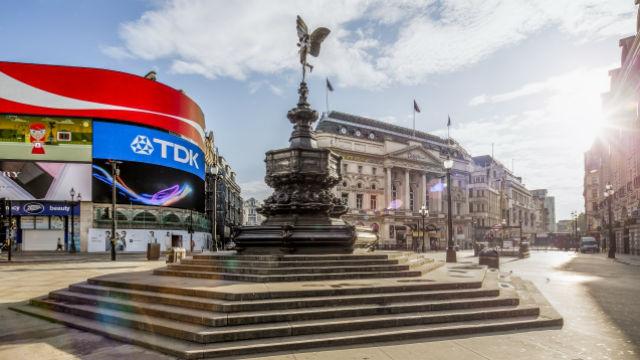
[303,215]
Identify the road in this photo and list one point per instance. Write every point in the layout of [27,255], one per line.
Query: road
[597,297]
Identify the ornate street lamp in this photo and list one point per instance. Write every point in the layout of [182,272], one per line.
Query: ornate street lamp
[214,227]
[72,248]
[424,212]
[451,252]
[608,194]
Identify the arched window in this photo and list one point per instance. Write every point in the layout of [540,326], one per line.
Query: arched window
[171,218]
[145,216]
[373,186]
[359,185]
[344,184]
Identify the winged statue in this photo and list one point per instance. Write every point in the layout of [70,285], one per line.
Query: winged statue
[309,44]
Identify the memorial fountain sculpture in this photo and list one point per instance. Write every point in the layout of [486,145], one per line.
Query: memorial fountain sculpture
[302,214]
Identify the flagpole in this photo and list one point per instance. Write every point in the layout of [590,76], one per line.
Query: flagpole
[414,120]
[326,90]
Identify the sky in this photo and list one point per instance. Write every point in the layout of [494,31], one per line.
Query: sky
[525,76]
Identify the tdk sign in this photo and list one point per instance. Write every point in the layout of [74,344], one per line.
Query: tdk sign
[142,145]
[136,143]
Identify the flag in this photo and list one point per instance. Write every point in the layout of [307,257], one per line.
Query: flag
[415,106]
[329,86]
[449,120]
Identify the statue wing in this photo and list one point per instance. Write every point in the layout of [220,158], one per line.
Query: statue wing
[316,38]
[301,27]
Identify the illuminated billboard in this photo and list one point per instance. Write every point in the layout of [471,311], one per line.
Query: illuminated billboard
[148,184]
[120,141]
[40,138]
[29,180]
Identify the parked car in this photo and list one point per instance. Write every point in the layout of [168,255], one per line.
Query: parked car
[588,244]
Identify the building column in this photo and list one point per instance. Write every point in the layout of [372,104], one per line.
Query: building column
[423,191]
[407,189]
[387,192]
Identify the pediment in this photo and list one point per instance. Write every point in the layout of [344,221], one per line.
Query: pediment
[415,153]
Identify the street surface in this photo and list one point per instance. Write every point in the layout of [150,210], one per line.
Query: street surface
[596,296]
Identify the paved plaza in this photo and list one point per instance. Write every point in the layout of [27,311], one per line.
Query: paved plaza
[595,296]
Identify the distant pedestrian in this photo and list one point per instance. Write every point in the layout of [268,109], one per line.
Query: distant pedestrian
[59,246]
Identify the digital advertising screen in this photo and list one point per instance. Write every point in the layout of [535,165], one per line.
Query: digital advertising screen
[30,180]
[140,144]
[39,138]
[148,184]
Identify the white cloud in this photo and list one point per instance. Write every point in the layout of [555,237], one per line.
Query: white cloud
[402,41]
[255,189]
[547,139]
[116,52]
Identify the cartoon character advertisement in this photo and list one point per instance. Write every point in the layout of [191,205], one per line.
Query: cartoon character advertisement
[40,138]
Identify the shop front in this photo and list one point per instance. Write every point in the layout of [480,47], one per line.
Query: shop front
[41,225]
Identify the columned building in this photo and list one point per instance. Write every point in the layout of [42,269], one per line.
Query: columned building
[250,214]
[389,173]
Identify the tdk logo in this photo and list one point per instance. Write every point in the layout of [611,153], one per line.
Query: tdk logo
[143,146]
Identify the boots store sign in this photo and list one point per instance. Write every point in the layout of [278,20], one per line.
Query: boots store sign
[136,143]
[44,208]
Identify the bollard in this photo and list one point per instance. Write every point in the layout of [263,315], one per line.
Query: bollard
[523,251]
[153,251]
[489,257]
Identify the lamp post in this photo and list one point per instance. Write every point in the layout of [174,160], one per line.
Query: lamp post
[424,212]
[214,227]
[504,226]
[72,247]
[451,252]
[115,173]
[608,194]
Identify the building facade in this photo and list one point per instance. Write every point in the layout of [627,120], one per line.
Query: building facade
[388,174]
[56,152]
[250,213]
[614,158]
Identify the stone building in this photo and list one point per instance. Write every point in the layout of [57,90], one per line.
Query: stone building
[389,173]
[250,215]
[615,157]
[484,196]
[544,207]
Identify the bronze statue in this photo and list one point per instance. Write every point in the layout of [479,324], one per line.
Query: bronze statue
[309,43]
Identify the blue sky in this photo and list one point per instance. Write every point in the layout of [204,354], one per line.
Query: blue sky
[526,76]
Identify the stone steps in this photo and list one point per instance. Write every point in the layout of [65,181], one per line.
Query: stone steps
[279,303]
[265,313]
[286,277]
[257,294]
[279,258]
[288,264]
[190,350]
[236,269]
[206,334]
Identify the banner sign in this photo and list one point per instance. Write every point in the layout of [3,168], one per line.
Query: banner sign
[136,240]
[147,184]
[29,180]
[40,138]
[43,208]
[119,141]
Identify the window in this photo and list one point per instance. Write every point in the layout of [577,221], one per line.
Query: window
[359,169]
[470,193]
[373,204]
[373,186]
[345,168]
[358,201]
[470,207]
[344,184]
[374,170]
[483,208]
[411,198]
[394,192]
[359,185]
[345,198]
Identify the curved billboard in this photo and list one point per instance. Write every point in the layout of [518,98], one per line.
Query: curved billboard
[35,89]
